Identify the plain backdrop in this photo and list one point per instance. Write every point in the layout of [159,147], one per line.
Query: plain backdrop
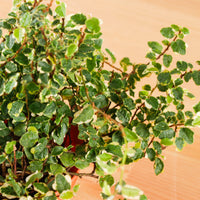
[127,27]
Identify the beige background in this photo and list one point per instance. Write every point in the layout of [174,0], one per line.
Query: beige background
[127,27]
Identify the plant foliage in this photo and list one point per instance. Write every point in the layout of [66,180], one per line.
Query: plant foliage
[53,78]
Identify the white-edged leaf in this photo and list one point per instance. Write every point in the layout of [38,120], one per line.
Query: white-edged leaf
[84,115]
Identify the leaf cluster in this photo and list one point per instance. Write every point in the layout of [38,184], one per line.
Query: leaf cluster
[61,108]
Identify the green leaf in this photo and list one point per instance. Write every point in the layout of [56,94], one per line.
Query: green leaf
[178,81]
[50,109]
[98,43]
[178,93]
[35,166]
[40,151]
[84,115]
[10,41]
[123,115]
[76,188]
[4,130]
[20,129]
[16,186]
[197,108]
[116,84]
[151,56]
[186,134]
[107,178]
[142,130]
[155,46]
[151,154]
[10,147]
[72,49]
[44,66]
[61,10]
[66,195]
[182,65]
[11,67]
[2,159]
[166,142]
[33,177]
[61,183]
[143,197]
[111,55]
[15,108]
[59,134]
[91,64]
[167,32]
[164,77]
[32,88]
[190,95]
[179,46]
[158,166]
[129,103]
[198,62]
[57,150]
[41,188]
[2,86]
[26,19]
[22,59]
[79,18]
[157,146]
[19,34]
[16,2]
[114,149]
[167,60]
[7,190]
[166,42]
[185,30]
[196,121]
[124,63]
[196,77]
[130,135]
[179,143]
[56,169]
[130,192]
[67,159]
[60,79]
[93,24]
[175,27]
[101,101]
[11,83]
[153,102]
[67,93]
[66,64]
[29,138]
[82,164]
[37,107]
[169,133]
[187,76]
[105,157]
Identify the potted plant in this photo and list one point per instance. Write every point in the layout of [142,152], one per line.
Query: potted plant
[64,106]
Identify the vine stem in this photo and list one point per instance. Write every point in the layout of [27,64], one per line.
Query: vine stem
[15,160]
[142,104]
[166,49]
[151,141]
[118,69]
[48,7]
[83,174]
[14,56]
[121,127]
[123,161]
